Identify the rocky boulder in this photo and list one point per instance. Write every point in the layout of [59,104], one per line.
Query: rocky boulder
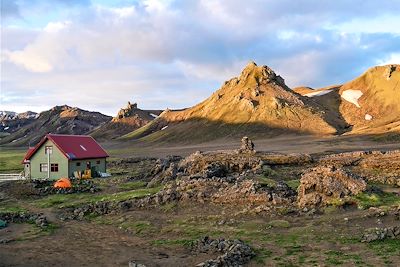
[323,184]
[373,234]
[235,252]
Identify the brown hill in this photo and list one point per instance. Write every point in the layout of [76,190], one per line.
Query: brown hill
[127,120]
[378,108]
[370,104]
[58,120]
[256,103]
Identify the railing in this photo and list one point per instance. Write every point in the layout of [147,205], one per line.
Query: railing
[11,176]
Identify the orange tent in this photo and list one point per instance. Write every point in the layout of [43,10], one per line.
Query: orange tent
[63,183]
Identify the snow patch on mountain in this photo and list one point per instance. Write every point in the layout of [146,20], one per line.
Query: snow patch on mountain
[352,96]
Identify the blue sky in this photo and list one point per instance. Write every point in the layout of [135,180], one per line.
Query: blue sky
[99,54]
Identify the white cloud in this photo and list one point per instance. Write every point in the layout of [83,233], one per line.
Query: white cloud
[54,27]
[29,59]
[175,53]
[393,58]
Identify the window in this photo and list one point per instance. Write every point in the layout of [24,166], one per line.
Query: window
[43,167]
[98,162]
[48,149]
[78,164]
[54,167]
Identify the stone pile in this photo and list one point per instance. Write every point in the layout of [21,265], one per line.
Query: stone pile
[381,233]
[247,146]
[234,252]
[22,217]
[45,187]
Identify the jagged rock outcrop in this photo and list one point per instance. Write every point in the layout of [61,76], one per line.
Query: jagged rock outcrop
[247,146]
[322,185]
[127,120]
[376,166]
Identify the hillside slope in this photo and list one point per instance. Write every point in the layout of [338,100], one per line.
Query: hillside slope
[370,104]
[127,120]
[256,103]
[58,120]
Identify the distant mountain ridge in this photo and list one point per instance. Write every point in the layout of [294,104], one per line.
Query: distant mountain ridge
[59,120]
[11,121]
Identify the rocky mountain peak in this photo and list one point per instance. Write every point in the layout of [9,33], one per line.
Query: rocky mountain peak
[254,75]
[127,111]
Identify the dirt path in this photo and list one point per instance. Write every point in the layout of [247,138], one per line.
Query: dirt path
[82,244]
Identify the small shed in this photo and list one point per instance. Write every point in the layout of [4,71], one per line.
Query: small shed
[59,155]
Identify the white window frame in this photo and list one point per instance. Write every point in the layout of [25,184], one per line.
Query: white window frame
[44,167]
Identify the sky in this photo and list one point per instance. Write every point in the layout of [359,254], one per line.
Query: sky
[100,54]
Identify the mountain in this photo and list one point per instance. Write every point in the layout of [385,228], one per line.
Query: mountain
[58,120]
[258,102]
[370,104]
[127,120]
[11,121]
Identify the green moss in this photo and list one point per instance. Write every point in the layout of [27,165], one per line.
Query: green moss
[294,184]
[12,208]
[366,200]
[132,185]
[139,227]
[71,200]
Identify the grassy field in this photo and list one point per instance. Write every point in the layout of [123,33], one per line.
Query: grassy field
[10,160]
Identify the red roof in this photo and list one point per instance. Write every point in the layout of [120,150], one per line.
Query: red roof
[72,146]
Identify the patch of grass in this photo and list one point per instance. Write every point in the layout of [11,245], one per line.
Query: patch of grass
[139,227]
[287,239]
[293,250]
[10,161]
[279,224]
[35,231]
[71,200]
[294,184]
[12,208]
[174,242]
[268,171]
[132,185]
[261,255]
[335,257]
[266,181]
[365,200]
[168,207]
[386,247]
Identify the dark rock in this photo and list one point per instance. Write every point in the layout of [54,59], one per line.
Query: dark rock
[234,252]
[374,234]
